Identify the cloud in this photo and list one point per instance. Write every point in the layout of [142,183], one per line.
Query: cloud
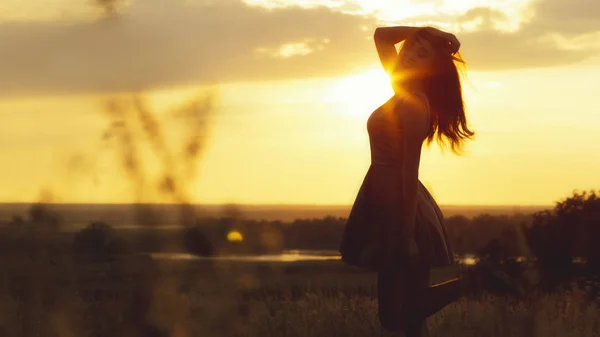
[488,17]
[558,33]
[570,18]
[109,7]
[164,42]
[294,49]
[155,43]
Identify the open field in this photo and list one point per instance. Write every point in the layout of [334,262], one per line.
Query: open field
[45,295]
[46,291]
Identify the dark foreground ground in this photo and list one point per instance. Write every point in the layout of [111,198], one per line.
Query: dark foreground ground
[45,295]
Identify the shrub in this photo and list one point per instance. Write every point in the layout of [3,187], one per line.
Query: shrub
[196,242]
[98,242]
[569,231]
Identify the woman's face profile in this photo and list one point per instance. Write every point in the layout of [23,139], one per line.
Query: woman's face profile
[417,53]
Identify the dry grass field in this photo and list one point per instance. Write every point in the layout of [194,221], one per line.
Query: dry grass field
[45,295]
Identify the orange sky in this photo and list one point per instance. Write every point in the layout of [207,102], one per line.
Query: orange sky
[289,126]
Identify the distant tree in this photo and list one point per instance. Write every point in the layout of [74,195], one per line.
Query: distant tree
[224,225]
[187,215]
[17,221]
[43,218]
[146,215]
[473,236]
[569,231]
[457,225]
[270,238]
[98,242]
[196,242]
[494,250]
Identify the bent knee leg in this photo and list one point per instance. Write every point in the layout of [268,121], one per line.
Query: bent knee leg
[397,295]
[391,301]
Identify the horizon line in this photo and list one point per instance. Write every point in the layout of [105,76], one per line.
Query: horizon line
[252,204]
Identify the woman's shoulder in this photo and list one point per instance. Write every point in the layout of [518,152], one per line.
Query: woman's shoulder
[413,110]
[413,105]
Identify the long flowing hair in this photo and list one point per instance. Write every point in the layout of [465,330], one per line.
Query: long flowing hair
[441,83]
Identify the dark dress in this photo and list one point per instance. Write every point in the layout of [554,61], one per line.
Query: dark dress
[371,238]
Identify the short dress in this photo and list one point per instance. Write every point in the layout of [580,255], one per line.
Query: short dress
[371,235]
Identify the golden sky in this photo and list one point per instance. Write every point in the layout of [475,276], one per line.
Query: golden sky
[294,82]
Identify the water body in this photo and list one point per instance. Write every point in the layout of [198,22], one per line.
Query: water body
[287,256]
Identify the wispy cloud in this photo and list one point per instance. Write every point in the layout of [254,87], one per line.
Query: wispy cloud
[158,42]
[557,33]
[155,43]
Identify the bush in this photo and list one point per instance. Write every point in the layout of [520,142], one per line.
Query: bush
[41,219]
[569,231]
[98,242]
[196,242]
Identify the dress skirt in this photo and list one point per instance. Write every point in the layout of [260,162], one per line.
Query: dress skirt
[372,236]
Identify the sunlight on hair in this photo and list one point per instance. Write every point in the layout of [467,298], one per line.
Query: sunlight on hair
[235,236]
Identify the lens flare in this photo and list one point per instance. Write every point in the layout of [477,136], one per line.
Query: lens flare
[235,236]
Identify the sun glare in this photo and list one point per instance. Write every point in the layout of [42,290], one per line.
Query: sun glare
[361,93]
[235,236]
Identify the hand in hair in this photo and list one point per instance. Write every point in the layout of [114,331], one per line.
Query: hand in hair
[449,38]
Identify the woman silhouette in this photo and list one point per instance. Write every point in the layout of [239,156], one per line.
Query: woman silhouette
[395,227]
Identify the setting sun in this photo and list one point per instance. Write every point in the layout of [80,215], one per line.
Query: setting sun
[361,93]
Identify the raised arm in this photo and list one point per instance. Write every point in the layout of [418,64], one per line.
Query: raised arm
[386,39]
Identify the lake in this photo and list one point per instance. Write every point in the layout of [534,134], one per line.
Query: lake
[285,256]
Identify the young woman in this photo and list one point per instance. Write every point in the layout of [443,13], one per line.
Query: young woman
[395,227]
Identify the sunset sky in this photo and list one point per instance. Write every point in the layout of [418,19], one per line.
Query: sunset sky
[294,82]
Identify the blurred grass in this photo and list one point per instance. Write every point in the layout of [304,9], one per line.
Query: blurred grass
[46,295]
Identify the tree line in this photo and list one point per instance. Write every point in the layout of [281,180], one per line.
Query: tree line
[558,239]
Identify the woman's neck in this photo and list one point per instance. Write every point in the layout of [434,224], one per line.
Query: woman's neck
[405,90]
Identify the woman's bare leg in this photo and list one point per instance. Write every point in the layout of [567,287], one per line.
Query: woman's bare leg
[428,301]
[391,300]
[418,282]
[405,299]
[416,329]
